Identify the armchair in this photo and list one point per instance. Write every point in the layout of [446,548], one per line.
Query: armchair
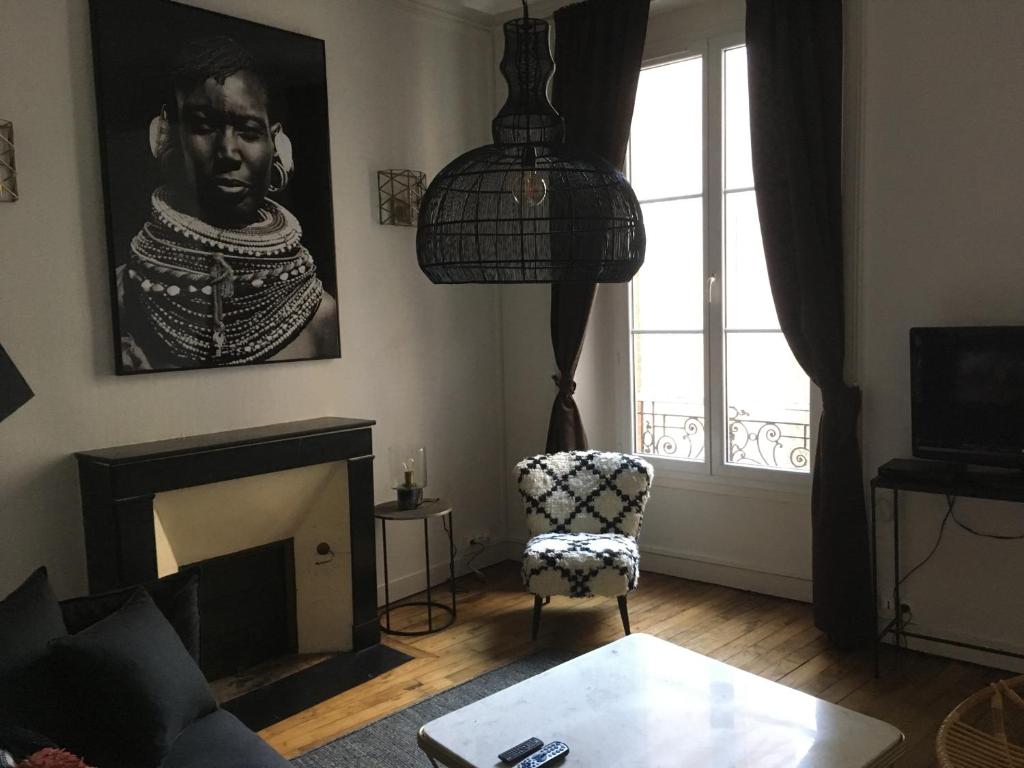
[583,510]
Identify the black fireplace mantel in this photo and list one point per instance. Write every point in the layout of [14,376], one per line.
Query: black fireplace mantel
[118,485]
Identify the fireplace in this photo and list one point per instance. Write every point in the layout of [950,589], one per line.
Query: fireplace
[275,576]
[247,603]
[232,527]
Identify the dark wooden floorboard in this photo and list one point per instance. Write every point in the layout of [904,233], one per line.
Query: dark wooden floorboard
[768,636]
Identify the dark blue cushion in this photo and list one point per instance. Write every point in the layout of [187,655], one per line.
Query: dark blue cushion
[29,619]
[177,597]
[120,692]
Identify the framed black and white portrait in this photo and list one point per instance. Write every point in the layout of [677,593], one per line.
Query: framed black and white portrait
[216,169]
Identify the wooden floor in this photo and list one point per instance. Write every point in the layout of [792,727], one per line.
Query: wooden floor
[768,636]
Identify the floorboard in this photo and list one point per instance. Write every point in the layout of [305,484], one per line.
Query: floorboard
[768,636]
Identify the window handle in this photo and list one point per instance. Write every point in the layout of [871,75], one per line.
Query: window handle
[712,279]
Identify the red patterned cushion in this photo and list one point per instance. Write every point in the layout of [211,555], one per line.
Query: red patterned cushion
[52,758]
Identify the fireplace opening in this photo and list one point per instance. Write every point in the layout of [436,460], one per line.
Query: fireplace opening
[247,608]
[249,639]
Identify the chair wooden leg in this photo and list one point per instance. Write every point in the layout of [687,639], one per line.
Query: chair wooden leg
[538,601]
[624,613]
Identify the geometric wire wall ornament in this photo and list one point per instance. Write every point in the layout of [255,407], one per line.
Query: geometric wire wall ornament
[401,192]
[8,175]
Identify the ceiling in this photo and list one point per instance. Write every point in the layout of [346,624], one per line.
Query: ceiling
[498,7]
[495,10]
[491,7]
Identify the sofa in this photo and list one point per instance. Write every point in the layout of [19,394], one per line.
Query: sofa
[114,679]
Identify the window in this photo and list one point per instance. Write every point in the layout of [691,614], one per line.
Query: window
[715,386]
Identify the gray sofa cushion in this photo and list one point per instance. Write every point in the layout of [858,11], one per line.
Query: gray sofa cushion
[221,741]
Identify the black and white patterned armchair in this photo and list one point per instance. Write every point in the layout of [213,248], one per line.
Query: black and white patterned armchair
[584,510]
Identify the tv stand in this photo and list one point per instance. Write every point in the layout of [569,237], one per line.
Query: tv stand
[927,470]
[997,471]
[938,477]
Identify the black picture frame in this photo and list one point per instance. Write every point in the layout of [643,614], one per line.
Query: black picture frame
[14,390]
[214,297]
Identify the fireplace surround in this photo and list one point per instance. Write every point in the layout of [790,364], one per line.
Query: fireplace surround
[125,536]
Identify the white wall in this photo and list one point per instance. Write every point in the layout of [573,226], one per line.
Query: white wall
[943,244]
[407,88]
[752,538]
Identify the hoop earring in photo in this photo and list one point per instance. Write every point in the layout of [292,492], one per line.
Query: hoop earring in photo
[160,140]
[278,177]
[284,164]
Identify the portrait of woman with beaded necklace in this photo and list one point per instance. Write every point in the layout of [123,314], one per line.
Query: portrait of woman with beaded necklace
[219,275]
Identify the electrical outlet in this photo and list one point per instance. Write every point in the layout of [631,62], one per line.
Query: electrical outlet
[885,605]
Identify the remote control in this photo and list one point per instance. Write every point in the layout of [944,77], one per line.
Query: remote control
[519,751]
[547,754]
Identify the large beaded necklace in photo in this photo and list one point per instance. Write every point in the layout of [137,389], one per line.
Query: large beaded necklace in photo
[226,296]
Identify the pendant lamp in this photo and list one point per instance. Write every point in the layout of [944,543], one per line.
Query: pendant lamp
[529,208]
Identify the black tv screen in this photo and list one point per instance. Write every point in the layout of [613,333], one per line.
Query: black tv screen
[967,394]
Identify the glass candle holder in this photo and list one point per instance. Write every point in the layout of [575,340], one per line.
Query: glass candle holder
[408,474]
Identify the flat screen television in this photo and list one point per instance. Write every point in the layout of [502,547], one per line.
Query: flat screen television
[967,394]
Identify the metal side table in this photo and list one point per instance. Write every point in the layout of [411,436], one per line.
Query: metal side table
[389,511]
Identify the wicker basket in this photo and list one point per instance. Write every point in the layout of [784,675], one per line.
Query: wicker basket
[986,730]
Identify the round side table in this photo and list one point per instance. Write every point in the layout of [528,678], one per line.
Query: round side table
[389,511]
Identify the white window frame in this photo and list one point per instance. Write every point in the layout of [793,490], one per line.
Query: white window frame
[713,473]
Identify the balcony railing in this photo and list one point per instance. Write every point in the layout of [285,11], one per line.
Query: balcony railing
[774,444]
[662,433]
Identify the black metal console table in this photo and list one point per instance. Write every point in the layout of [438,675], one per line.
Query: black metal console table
[935,477]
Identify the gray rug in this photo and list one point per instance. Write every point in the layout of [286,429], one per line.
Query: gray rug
[391,742]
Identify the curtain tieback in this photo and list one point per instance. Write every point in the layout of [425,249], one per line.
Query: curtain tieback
[841,396]
[841,411]
[564,390]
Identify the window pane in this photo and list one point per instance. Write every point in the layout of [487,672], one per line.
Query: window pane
[767,403]
[736,109]
[667,291]
[668,370]
[665,150]
[748,296]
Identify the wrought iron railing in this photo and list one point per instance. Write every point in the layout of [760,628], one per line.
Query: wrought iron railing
[752,442]
[661,433]
[760,443]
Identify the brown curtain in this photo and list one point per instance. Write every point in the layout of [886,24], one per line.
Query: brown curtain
[598,49]
[795,71]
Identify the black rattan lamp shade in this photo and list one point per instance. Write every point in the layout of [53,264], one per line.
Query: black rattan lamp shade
[528,208]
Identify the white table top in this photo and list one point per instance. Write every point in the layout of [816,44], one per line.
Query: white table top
[645,703]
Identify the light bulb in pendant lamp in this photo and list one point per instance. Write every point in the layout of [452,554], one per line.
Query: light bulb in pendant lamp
[527,185]
[528,189]
[529,208]
[408,474]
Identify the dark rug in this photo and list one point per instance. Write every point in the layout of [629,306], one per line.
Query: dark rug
[295,693]
[391,741]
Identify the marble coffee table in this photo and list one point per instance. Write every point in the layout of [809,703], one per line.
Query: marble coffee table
[642,702]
